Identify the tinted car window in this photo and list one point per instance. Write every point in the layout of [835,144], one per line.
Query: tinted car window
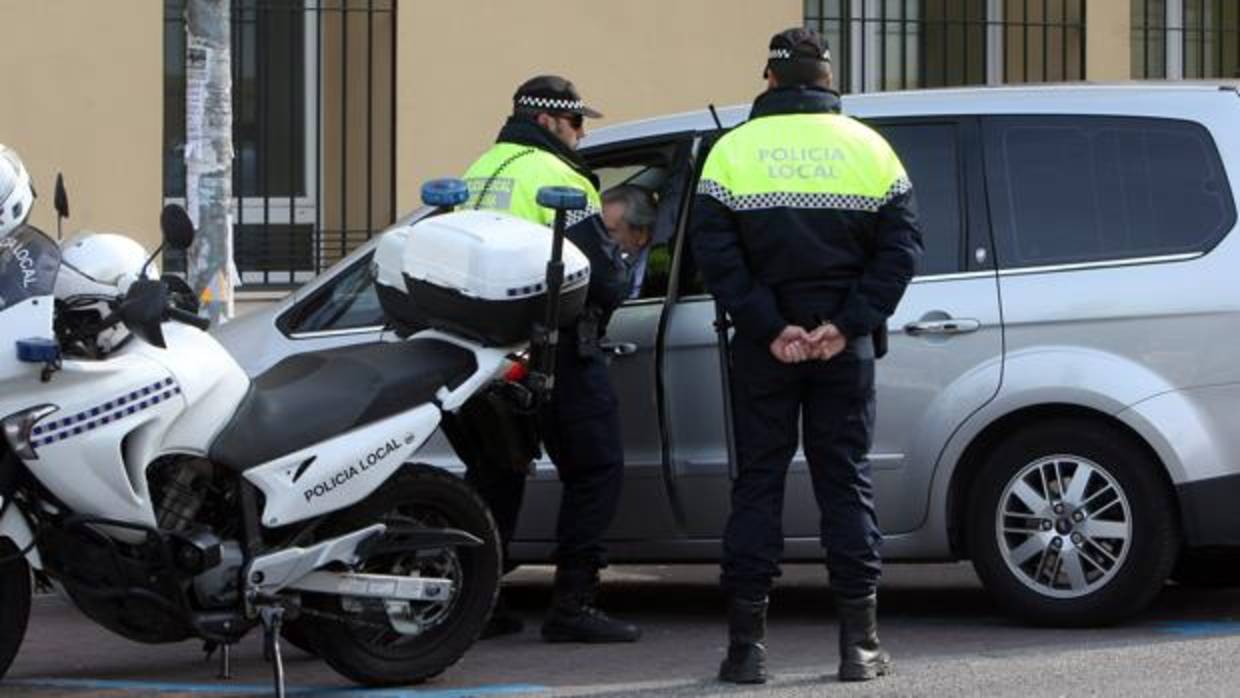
[348,301]
[929,154]
[1084,189]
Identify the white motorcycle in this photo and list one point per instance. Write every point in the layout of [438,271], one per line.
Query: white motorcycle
[171,497]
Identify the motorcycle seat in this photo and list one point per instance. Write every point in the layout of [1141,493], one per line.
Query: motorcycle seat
[311,397]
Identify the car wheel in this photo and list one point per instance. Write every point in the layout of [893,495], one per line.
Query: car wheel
[1071,524]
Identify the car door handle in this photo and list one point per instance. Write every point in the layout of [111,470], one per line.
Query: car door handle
[618,348]
[945,326]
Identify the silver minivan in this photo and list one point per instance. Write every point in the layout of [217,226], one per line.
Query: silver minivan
[1060,404]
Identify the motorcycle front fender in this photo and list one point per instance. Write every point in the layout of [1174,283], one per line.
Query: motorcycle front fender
[13,525]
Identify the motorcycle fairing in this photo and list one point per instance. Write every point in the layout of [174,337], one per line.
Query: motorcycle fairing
[345,469]
[340,471]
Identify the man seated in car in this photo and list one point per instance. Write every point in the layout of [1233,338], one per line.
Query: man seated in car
[629,214]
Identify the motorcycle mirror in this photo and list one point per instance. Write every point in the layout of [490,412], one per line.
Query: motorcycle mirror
[177,228]
[61,197]
[142,311]
[60,202]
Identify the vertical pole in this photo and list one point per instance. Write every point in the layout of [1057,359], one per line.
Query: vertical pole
[1024,44]
[1063,40]
[392,18]
[209,153]
[904,45]
[344,127]
[296,140]
[238,73]
[320,241]
[370,115]
[263,54]
[1145,38]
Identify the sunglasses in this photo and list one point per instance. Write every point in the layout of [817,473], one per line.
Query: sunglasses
[576,120]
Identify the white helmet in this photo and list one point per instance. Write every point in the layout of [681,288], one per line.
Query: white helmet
[96,269]
[16,192]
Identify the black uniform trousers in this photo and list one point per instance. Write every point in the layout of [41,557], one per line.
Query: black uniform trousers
[580,428]
[835,402]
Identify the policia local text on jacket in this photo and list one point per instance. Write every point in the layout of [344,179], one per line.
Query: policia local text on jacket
[581,426]
[802,217]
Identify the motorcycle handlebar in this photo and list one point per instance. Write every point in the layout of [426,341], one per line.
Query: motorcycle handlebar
[189,318]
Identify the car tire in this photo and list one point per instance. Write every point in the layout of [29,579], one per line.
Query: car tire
[1058,551]
[1207,569]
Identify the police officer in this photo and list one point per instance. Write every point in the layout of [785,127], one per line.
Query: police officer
[581,425]
[805,232]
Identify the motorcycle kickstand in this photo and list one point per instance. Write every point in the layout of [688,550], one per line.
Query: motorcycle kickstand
[225,658]
[273,620]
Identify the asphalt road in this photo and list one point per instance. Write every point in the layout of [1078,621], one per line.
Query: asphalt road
[947,637]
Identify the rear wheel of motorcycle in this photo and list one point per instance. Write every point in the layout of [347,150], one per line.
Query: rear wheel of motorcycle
[367,648]
[14,603]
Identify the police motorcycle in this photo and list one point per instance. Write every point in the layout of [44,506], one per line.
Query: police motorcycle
[170,497]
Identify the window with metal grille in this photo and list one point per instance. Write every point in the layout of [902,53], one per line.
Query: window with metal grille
[314,128]
[1195,39]
[902,44]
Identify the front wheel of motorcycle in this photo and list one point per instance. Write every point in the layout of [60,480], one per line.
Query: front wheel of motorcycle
[380,644]
[14,602]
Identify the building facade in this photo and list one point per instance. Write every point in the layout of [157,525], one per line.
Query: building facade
[343,107]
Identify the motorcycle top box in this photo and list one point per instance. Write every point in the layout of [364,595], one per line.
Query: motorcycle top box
[481,274]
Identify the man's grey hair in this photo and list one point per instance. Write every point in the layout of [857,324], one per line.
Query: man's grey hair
[639,205]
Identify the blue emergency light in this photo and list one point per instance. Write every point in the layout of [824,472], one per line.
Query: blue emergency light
[38,350]
[445,193]
[562,198]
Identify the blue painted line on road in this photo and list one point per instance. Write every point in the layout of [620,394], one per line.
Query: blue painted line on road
[1201,628]
[263,689]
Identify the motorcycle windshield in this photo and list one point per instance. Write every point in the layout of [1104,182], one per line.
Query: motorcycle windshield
[29,262]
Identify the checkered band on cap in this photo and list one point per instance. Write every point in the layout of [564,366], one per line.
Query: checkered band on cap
[783,53]
[550,103]
[791,199]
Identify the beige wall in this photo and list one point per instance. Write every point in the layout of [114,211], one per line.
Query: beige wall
[83,94]
[1108,33]
[459,63]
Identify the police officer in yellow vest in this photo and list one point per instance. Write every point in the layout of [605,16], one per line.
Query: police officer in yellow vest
[581,426]
[805,232]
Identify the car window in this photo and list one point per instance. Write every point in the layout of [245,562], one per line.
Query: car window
[929,153]
[1073,189]
[346,302]
[661,169]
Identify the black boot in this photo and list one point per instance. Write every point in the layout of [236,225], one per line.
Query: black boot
[861,657]
[573,617]
[746,660]
[503,621]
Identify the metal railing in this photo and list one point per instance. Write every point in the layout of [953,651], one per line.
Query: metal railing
[314,129]
[902,44]
[1193,39]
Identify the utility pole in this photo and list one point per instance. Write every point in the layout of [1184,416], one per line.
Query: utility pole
[209,153]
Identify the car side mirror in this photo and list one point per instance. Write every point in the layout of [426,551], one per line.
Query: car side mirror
[177,228]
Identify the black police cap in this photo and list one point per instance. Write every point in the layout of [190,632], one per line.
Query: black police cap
[798,44]
[554,94]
